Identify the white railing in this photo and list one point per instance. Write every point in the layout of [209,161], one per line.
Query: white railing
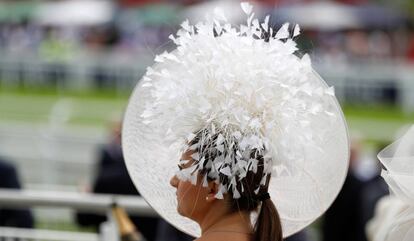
[94,203]
[45,235]
[364,79]
[87,70]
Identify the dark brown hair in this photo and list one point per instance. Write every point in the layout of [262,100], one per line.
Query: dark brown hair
[268,225]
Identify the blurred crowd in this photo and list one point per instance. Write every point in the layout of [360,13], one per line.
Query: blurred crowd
[111,54]
[372,46]
[60,42]
[130,35]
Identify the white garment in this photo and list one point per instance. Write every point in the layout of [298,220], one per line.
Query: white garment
[394,215]
[391,222]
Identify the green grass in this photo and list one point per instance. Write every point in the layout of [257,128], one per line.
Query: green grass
[63,226]
[72,108]
[376,123]
[95,108]
[55,92]
[381,112]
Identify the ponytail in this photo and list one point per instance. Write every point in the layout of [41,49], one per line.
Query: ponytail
[268,226]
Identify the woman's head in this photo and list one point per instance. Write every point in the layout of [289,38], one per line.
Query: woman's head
[218,173]
[194,199]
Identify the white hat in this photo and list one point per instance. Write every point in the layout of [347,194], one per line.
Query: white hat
[248,86]
[395,221]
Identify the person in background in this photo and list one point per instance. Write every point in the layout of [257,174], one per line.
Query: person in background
[343,220]
[21,218]
[299,236]
[393,219]
[112,178]
[410,49]
[374,189]
[166,232]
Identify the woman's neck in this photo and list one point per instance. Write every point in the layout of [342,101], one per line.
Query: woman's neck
[218,220]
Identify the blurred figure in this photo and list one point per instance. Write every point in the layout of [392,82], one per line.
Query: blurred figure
[357,45]
[380,46]
[21,218]
[166,232]
[394,213]
[343,220]
[55,49]
[388,210]
[373,191]
[300,236]
[112,178]
[410,49]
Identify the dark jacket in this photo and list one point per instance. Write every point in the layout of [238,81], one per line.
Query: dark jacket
[113,178]
[12,217]
[343,220]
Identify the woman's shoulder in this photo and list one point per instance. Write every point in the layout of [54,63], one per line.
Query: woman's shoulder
[219,236]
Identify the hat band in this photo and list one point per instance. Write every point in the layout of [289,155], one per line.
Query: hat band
[263,197]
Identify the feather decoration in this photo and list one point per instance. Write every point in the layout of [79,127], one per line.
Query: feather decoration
[232,89]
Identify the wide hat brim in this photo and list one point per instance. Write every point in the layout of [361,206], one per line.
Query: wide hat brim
[299,199]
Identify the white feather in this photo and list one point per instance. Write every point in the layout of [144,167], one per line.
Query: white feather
[246,7]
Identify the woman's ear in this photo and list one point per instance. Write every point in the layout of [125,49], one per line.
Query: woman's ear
[212,191]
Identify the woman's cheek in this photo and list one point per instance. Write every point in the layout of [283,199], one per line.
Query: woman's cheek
[184,196]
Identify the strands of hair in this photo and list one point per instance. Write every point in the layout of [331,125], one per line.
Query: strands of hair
[268,225]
